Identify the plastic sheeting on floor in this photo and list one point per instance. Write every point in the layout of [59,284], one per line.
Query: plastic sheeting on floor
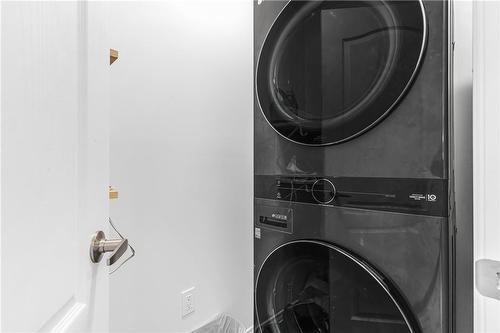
[223,323]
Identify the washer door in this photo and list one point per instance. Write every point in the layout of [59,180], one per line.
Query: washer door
[330,70]
[309,286]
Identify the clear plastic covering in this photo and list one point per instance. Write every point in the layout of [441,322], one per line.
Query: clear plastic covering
[223,323]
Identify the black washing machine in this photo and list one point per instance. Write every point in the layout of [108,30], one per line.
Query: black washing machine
[352,216]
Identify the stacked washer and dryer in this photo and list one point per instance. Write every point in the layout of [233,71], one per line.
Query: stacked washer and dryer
[354,227]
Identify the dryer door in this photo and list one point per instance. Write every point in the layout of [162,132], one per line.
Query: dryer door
[309,286]
[330,70]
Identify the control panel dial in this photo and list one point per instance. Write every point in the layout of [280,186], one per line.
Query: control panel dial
[323,191]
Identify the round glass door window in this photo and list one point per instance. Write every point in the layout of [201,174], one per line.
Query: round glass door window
[330,70]
[314,287]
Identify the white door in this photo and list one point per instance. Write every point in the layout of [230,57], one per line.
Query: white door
[487,166]
[54,165]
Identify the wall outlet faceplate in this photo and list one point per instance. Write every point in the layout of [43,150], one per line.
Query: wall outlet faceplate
[187,301]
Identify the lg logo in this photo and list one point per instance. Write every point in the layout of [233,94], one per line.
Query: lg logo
[431,197]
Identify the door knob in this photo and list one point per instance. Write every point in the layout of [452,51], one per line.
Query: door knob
[100,245]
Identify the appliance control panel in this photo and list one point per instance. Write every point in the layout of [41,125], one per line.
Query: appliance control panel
[412,196]
[277,218]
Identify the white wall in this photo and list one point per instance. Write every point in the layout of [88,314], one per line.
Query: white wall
[181,157]
[486,154]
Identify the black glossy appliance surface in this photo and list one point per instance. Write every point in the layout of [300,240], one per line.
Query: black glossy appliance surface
[330,70]
[331,269]
[351,219]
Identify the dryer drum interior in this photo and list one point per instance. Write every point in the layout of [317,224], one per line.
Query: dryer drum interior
[312,286]
[330,70]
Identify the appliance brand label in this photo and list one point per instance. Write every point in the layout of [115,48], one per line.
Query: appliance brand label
[423,197]
[417,197]
[279,216]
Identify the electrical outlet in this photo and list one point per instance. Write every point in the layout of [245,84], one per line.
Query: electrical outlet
[187,302]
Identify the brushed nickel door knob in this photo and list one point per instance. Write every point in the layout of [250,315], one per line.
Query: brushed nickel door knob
[100,245]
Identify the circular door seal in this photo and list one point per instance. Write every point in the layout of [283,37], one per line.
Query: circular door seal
[330,70]
[313,286]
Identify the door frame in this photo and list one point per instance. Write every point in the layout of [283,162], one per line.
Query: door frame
[460,170]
